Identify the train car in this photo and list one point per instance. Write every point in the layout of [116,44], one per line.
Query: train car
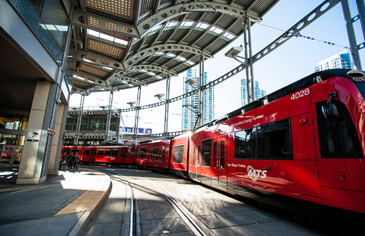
[88,154]
[154,155]
[300,147]
[71,149]
[115,155]
[179,157]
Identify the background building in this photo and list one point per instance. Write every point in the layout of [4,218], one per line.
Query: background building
[241,92]
[191,104]
[340,60]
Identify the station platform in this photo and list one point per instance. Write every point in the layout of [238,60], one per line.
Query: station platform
[60,206]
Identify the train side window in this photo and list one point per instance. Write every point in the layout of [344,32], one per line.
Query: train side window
[101,151]
[274,141]
[215,149]
[223,149]
[86,151]
[245,144]
[178,156]
[142,152]
[199,151]
[108,151]
[155,154]
[74,150]
[194,163]
[115,151]
[337,135]
[131,152]
[206,153]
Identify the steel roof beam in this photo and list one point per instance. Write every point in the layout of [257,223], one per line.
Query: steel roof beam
[157,5]
[175,29]
[177,10]
[192,28]
[207,29]
[105,25]
[225,31]
[148,68]
[163,48]
[99,60]
[159,33]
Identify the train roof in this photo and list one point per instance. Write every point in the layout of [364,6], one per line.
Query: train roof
[353,75]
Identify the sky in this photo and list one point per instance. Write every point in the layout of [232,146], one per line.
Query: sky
[290,62]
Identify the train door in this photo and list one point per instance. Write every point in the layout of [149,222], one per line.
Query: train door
[93,154]
[341,159]
[219,173]
[194,165]
[222,155]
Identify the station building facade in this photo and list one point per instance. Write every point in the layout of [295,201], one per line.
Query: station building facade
[35,84]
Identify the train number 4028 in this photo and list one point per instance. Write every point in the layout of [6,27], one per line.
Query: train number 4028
[300,94]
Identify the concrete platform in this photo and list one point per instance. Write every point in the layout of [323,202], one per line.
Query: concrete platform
[61,206]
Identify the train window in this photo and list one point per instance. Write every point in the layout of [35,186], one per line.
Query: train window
[223,149]
[269,141]
[163,156]
[74,150]
[274,140]
[245,144]
[215,154]
[155,154]
[159,155]
[115,151]
[337,135]
[101,151]
[142,152]
[86,151]
[206,152]
[131,152]
[108,151]
[122,153]
[194,163]
[126,152]
[199,155]
[178,156]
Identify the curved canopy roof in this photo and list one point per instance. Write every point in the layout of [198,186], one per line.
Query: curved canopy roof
[119,44]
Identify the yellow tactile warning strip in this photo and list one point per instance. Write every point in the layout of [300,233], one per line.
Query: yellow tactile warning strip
[98,185]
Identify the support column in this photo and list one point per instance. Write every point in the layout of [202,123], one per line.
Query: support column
[250,59]
[110,108]
[166,117]
[34,163]
[351,34]
[248,79]
[250,82]
[361,9]
[201,92]
[79,119]
[137,114]
[54,160]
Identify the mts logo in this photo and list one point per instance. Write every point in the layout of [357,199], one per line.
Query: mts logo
[255,174]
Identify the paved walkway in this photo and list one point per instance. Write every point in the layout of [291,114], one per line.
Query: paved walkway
[60,206]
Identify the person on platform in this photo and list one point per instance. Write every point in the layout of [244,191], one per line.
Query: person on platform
[63,160]
[76,160]
[69,161]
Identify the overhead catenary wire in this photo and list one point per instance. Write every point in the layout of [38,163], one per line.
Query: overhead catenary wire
[299,35]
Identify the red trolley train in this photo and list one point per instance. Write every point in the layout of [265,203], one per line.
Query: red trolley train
[305,142]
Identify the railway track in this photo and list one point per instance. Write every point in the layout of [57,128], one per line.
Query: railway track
[132,224]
